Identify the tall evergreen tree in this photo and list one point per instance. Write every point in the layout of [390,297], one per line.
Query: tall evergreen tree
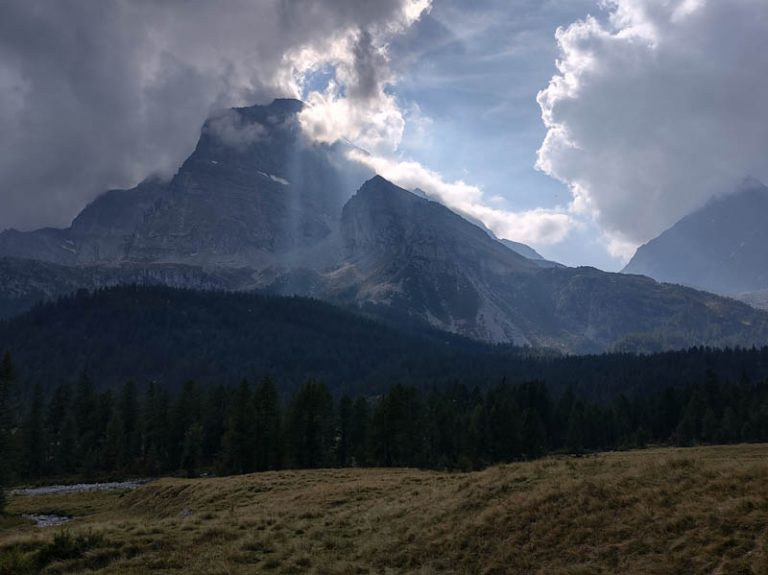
[156,429]
[192,449]
[343,449]
[238,441]
[187,411]
[86,408]
[268,431]
[310,427]
[360,432]
[398,428]
[7,423]
[533,434]
[129,410]
[115,450]
[34,436]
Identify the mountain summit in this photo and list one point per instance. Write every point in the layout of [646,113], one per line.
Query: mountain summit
[722,247]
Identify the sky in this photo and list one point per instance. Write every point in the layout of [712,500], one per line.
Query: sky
[580,127]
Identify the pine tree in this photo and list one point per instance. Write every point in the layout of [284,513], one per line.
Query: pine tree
[34,436]
[128,408]
[187,411]
[268,431]
[86,407]
[310,427]
[192,449]
[66,452]
[343,448]
[533,434]
[115,450]
[7,423]
[238,441]
[397,428]
[156,429]
[359,433]
[575,439]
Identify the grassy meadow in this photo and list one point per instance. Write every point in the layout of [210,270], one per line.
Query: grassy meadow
[655,511]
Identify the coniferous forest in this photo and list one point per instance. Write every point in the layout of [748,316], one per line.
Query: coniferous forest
[79,431]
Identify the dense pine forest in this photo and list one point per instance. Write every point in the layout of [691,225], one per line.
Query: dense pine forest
[259,382]
[130,332]
[82,431]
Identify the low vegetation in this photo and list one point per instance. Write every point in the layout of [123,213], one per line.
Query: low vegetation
[696,510]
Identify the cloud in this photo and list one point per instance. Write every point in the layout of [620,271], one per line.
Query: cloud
[355,105]
[231,129]
[656,109]
[96,95]
[539,226]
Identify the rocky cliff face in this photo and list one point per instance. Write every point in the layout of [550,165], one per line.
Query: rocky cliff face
[252,193]
[420,258]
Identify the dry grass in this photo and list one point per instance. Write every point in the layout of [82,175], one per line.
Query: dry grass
[702,510]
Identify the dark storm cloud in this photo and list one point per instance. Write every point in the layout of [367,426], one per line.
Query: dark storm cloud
[101,94]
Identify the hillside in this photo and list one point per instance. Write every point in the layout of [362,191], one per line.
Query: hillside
[662,511]
[130,332]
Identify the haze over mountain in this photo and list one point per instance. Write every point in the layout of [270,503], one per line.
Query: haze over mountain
[259,207]
[721,247]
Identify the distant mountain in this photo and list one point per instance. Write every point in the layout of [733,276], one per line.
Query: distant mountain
[722,247]
[258,207]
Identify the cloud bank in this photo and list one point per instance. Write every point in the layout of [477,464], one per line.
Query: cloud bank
[656,109]
[101,94]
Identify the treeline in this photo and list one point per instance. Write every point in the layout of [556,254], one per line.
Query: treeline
[79,431]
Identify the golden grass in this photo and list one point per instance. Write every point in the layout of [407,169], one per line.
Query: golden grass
[701,510]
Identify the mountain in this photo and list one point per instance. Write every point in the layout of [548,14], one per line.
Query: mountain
[258,207]
[722,247]
[253,192]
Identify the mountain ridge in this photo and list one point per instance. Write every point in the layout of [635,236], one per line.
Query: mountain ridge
[258,207]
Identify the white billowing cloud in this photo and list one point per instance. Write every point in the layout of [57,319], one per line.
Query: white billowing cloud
[355,105]
[657,109]
[538,227]
[100,94]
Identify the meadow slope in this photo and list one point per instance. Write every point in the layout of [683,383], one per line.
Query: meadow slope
[656,511]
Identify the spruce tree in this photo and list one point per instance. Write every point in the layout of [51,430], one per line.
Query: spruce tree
[310,427]
[192,449]
[8,423]
[343,448]
[268,430]
[238,441]
[359,433]
[34,436]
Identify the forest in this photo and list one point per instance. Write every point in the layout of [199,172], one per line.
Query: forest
[130,332]
[82,431]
